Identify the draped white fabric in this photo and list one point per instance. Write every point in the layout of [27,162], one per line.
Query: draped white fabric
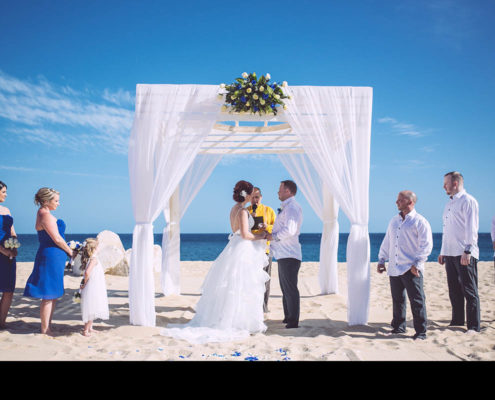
[334,125]
[170,124]
[326,208]
[193,180]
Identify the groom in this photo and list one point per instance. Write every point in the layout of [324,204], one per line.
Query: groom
[284,243]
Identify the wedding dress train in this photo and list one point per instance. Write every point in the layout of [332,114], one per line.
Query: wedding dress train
[231,304]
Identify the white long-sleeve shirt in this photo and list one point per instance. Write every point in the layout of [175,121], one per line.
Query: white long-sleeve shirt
[407,242]
[286,230]
[460,226]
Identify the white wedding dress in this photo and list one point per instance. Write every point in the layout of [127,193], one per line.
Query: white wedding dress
[231,304]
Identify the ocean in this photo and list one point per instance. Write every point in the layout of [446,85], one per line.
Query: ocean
[207,246]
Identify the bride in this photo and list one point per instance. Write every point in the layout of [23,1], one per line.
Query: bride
[231,304]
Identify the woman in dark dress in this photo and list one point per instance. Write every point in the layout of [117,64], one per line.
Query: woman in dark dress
[7,258]
[46,282]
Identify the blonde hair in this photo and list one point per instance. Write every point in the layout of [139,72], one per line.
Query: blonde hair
[87,251]
[44,195]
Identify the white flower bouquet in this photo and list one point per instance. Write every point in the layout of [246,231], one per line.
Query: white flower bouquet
[252,95]
[12,243]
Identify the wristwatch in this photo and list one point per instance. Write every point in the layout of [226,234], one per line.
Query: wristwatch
[467,252]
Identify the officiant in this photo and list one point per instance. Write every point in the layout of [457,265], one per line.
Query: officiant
[264,218]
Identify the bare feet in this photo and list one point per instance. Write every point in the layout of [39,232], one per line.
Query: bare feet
[48,332]
[86,333]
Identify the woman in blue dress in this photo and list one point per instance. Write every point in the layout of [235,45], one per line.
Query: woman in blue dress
[7,258]
[46,282]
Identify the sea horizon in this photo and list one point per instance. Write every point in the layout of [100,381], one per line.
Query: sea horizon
[207,246]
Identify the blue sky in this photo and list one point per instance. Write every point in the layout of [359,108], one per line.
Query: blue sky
[68,72]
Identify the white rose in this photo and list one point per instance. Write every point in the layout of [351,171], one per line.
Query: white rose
[255,96]
[72,244]
[262,102]
[262,88]
[277,96]
[222,85]
[249,90]
[248,104]
[284,83]
[285,107]
[245,75]
[268,77]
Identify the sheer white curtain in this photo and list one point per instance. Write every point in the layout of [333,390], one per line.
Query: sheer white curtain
[326,208]
[170,124]
[334,124]
[194,179]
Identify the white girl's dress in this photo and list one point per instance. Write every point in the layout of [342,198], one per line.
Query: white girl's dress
[94,300]
[231,304]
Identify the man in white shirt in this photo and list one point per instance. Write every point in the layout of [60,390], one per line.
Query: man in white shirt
[284,243]
[406,246]
[460,252]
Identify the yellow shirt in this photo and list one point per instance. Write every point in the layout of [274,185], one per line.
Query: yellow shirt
[268,218]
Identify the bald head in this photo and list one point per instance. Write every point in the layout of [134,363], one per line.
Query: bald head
[410,195]
[406,200]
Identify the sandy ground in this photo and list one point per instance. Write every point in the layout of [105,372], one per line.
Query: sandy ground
[324,334]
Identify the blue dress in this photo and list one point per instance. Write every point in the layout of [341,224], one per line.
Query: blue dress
[47,279]
[7,266]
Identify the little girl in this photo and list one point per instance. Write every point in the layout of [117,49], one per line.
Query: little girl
[94,301]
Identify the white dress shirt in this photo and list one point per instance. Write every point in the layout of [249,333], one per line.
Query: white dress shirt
[286,230]
[408,242]
[460,226]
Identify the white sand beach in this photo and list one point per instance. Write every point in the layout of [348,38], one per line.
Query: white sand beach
[324,334]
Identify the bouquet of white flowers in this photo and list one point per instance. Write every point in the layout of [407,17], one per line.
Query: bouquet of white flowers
[252,95]
[12,243]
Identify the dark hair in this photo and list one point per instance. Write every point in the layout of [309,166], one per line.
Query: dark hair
[291,185]
[257,189]
[2,185]
[455,176]
[239,187]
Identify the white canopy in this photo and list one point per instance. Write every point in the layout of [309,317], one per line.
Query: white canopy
[179,135]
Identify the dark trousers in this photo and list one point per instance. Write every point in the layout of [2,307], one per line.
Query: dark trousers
[268,270]
[288,268]
[462,281]
[413,285]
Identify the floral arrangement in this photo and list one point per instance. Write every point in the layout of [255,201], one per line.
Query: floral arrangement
[75,245]
[77,296]
[252,95]
[12,243]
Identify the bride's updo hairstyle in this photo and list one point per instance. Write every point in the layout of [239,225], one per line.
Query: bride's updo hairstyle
[44,195]
[239,187]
